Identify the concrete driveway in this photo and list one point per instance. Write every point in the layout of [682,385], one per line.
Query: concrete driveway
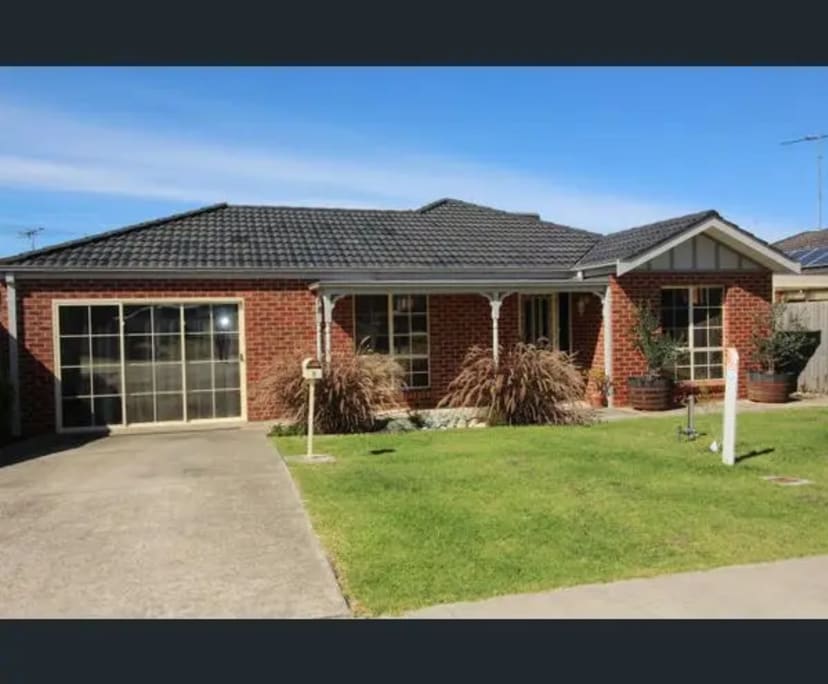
[183,524]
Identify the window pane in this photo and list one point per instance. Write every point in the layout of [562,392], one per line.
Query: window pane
[199,405]
[226,346]
[700,337]
[401,324]
[419,380]
[74,351]
[682,318]
[405,364]
[682,373]
[701,372]
[402,344]
[106,350]
[167,347]
[225,317]
[167,318]
[74,320]
[197,318]
[199,347]
[715,296]
[106,380]
[716,357]
[77,412]
[227,375]
[140,409]
[700,358]
[668,298]
[419,323]
[138,377]
[371,323]
[228,404]
[75,382]
[108,411]
[168,377]
[714,317]
[716,372]
[419,365]
[403,303]
[419,344]
[169,407]
[137,319]
[715,337]
[700,316]
[683,359]
[199,376]
[138,348]
[105,320]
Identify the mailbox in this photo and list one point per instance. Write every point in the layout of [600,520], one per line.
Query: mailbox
[311,369]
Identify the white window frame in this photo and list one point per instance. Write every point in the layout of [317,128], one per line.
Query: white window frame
[390,314]
[691,349]
[120,303]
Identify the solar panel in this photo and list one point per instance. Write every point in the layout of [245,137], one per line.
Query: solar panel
[820,259]
[814,256]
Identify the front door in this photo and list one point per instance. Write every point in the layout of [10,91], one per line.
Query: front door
[545,319]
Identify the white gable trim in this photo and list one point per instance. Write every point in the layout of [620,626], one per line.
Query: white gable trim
[728,236]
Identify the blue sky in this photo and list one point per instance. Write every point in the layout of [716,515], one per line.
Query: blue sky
[83,150]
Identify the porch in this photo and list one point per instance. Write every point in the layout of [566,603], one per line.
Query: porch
[429,326]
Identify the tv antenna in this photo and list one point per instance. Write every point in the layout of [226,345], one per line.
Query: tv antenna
[818,140]
[30,233]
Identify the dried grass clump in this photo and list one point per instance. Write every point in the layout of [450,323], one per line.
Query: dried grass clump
[352,390]
[531,385]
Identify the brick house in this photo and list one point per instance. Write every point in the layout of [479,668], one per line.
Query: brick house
[176,319]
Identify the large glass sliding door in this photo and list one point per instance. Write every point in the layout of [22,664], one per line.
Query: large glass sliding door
[149,363]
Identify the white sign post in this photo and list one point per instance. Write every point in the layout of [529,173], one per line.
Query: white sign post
[731,392]
[311,371]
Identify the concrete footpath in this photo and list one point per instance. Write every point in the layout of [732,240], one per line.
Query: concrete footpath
[796,588]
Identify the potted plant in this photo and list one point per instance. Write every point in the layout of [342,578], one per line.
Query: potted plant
[652,391]
[597,387]
[778,351]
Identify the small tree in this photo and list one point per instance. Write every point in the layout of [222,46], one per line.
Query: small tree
[658,348]
[779,345]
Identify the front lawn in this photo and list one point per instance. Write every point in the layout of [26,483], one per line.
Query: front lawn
[421,518]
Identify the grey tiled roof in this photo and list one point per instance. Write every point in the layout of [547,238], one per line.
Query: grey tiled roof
[628,243]
[448,234]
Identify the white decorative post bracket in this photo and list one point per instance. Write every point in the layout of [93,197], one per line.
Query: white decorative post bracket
[328,303]
[495,302]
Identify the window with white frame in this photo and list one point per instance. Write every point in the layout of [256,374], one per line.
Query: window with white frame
[396,325]
[693,316]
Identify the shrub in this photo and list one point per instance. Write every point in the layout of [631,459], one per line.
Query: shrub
[352,390]
[658,349]
[779,346]
[530,385]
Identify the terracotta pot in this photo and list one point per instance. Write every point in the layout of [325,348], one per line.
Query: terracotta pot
[770,388]
[650,394]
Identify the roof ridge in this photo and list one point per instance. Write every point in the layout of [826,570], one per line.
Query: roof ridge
[445,200]
[306,208]
[110,233]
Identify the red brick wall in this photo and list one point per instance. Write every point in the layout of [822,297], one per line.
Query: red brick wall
[456,322]
[746,293]
[279,320]
[588,331]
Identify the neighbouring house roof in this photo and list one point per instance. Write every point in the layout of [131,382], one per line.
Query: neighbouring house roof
[809,248]
[442,238]
[805,239]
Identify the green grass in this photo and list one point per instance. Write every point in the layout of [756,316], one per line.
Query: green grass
[434,517]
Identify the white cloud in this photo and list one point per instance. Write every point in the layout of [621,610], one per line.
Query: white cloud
[50,151]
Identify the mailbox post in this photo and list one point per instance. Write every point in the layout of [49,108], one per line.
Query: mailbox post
[311,371]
